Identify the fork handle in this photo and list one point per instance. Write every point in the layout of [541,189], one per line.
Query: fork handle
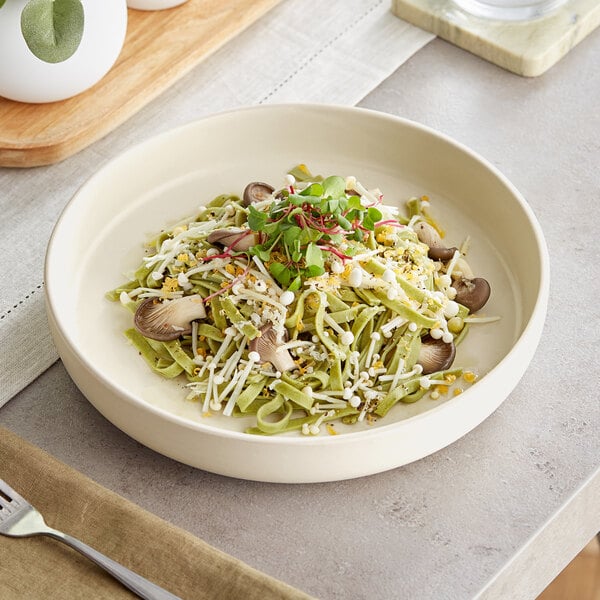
[136,583]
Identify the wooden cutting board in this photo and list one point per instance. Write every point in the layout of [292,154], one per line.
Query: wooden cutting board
[160,47]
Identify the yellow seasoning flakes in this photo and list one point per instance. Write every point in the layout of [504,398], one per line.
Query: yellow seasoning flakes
[441,389]
[469,376]
[183,257]
[170,285]
[450,378]
[457,391]
[331,429]
[230,269]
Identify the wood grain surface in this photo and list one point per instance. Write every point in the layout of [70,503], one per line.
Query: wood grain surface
[160,47]
[581,578]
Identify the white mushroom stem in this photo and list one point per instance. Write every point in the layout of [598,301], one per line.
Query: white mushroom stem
[461,270]
[253,358]
[428,235]
[346,337]
[375,337]
[209,389]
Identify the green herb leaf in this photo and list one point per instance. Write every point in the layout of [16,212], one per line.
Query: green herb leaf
[280,272]
[256,219]
[354,203]
[314,256]
[291,235]
[270,228]
[314,271]
[344,223]
[296,284]
[334,186]
[298,200]
[53,29]
[314,189]
[373,216]
[263,253]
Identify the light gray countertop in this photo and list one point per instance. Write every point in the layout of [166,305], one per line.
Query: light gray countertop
[498,513]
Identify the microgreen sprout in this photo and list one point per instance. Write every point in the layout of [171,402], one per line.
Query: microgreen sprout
[299,228]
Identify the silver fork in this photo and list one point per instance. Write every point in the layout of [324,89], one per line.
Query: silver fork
[19,519]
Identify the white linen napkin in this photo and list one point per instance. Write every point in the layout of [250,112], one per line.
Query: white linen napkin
[332,52]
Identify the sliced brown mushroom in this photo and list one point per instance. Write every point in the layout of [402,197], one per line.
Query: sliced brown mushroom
[256,192]
[472,293]
[235,238]
[431,238]
[268,345]
[435,355]
[169,319]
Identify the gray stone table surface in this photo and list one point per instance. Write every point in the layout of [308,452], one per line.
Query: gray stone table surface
[499,512]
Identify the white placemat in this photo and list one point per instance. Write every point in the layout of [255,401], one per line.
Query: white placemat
[333,52]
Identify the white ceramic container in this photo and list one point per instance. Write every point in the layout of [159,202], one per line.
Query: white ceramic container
[100,234]
[26,78]
[154,4]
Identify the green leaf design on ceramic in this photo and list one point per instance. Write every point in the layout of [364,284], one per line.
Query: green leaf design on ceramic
[52,28]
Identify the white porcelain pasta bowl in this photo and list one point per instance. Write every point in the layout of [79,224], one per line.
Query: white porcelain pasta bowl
[101,233]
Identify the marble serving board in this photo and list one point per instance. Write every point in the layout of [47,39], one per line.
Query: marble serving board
[527,48]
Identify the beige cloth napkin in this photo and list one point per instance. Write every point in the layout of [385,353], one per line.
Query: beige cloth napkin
[43,569]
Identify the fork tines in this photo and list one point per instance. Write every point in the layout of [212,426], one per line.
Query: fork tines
[9,499]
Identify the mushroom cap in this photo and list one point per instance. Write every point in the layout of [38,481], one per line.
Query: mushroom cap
[236,238]
[443,254]
[256,191]
[435,355]
[267,345]
[167,320]
[472,293]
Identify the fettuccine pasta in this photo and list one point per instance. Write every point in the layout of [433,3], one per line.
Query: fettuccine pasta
[304,306]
